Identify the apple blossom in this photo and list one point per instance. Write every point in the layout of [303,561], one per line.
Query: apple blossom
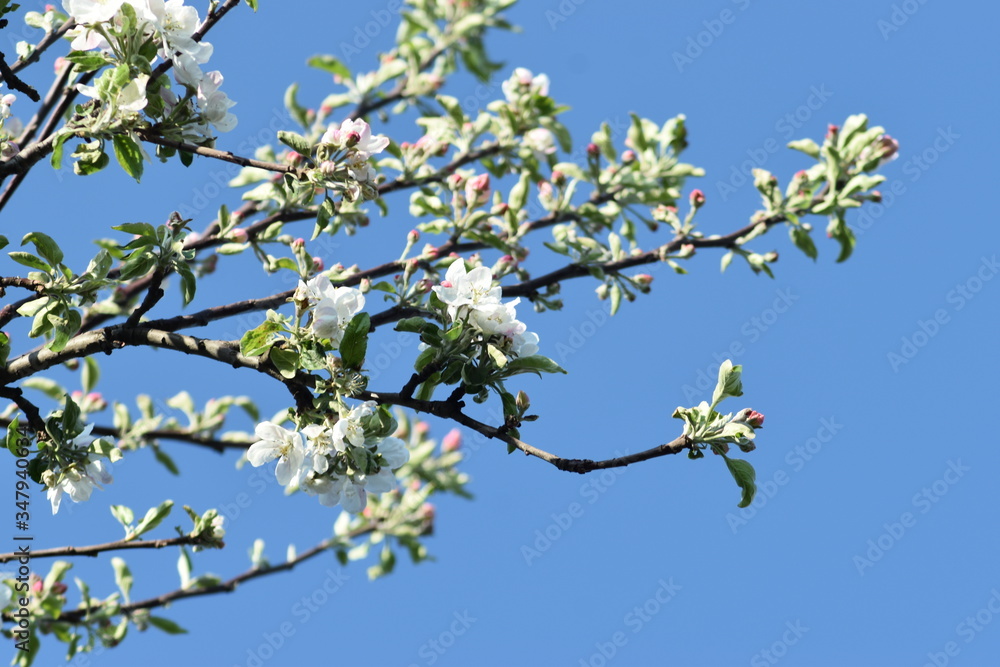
[467,288]
[276,442]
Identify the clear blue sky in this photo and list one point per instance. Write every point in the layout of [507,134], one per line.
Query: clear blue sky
[874,539]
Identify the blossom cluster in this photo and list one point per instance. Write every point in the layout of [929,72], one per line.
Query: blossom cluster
[171,25]
[332,307]
[340,462]
[79,477]
[343,154]
[471,295]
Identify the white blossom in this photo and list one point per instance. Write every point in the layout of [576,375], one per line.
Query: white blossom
[467,288]
[277,443]
[523,80]
[334,312]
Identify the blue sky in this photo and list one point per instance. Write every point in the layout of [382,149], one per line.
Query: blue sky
[873,540]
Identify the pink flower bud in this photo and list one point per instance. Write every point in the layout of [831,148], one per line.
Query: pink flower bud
[37,585]
[299,243]
[412,236]
[318,264]
[452,441]
[352,139]
[593,150]
[558,178]
[697,198]
[239,235]
[876,196]
[500,209]
[422,428]
[832,131]
[755,419]
[628,156]
[365,285]
[643,279]
[456,181]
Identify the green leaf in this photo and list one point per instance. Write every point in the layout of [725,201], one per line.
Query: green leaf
[152,519]
[729,383]
[14,439]
[123,576]
[88,61]
[90,374]
[252,4]
[330,64]
[354,345]
[30,261]
[129,155]
[807,146]
[745,476]
[45,246]
[124,515]
[164,624]
[257,341]
[137,228]
[285,360]
[296,142]
[167,462]
[803,240]
[533,364]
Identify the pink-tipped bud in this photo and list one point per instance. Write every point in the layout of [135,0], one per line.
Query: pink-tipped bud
[456,181]
[697,198]
[318,264]
[687,250]
[412,236]
[239,235]
[754,418]
[37,585]
[477,189]
[452,441]
[352,139]
[422,428]
[643,279]
[593,150]
[628,157]
[876,196]
[558,178]
[299,243]
[294,157]
[832,131]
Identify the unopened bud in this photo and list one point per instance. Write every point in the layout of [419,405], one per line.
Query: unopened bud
[522,401]
[412,236]
[352,139]
[643,279]
[558,178]
[593,150]
[697,198]
[687,250]
[239,235]
[318,264]
[628,157]
[452,441]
